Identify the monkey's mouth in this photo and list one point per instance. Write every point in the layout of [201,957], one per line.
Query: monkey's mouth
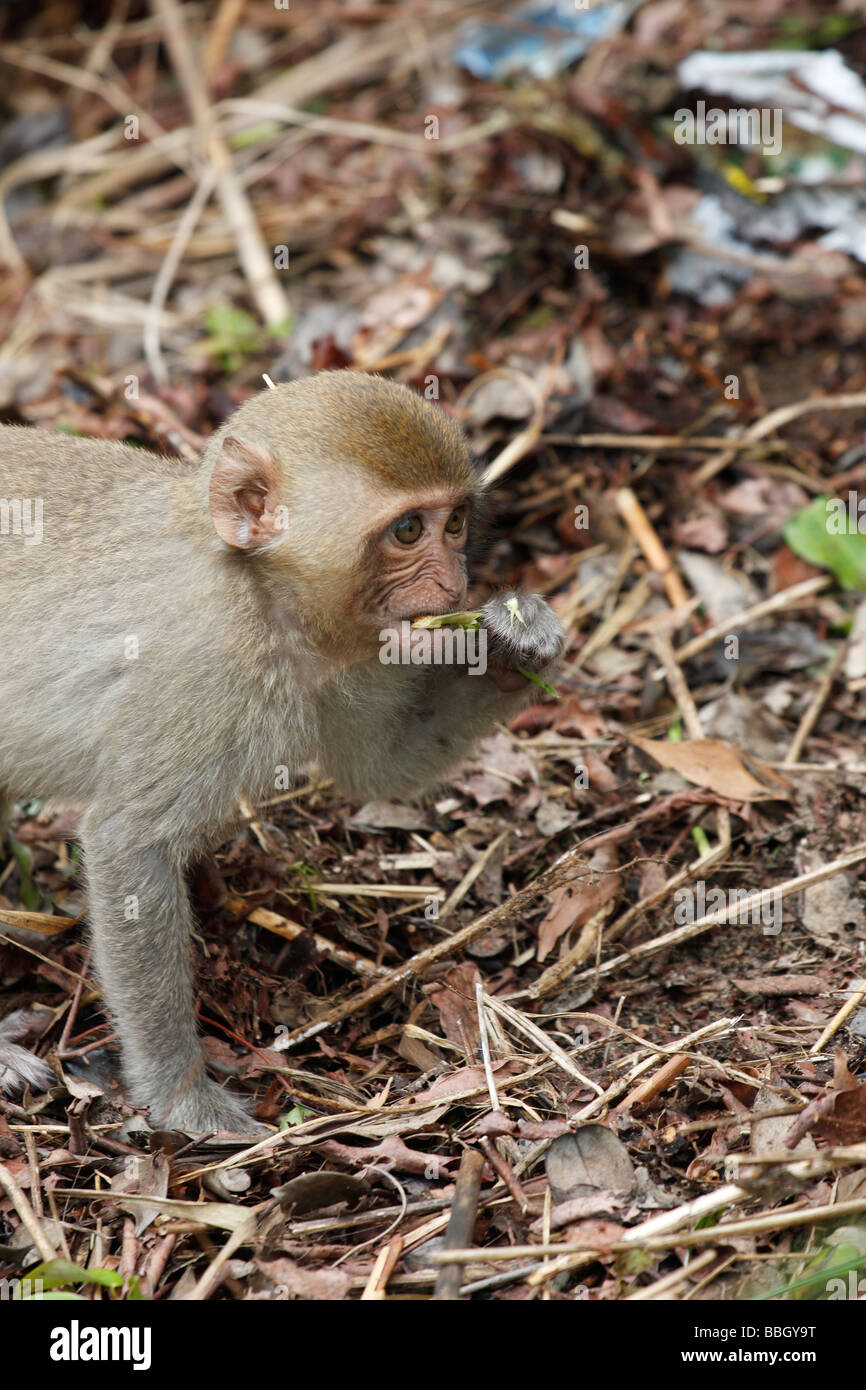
[432,610]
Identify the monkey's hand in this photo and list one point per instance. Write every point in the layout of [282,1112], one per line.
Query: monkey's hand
[523,632]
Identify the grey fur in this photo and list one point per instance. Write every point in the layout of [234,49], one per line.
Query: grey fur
[225,688]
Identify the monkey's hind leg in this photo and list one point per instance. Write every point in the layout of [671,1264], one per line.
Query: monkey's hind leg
[141,927]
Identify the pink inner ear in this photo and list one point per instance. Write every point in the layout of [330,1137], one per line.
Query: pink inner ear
[244,494]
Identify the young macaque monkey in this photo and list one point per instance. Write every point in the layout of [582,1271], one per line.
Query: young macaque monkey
[180,634]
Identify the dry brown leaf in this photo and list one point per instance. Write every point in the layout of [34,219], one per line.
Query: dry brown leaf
[46,923]
[292,1280]
[719,765]
[575,903]
[314,1191]
[841,1117]
[458,1012]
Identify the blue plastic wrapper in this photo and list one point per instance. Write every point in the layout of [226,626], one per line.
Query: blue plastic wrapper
[494,52]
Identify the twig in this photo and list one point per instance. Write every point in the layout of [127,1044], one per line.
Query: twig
[463,1211]
[655,1084]
[157,1261]
[504,1171]
[214,1272]
[812,714]
[855,998]
[727,914]
[541,1039]
[46,960]
[776,418]
[587,944]
[382,1270]
[470,876]
[523,442]
[33,1165]
[625,612]
[29,1219]
[112,93]
[691,871]
[849,769]
[647,538]
[664,652]
[671,1281]
[712,442]
[352,1252]
[785,598]
[637,1235]
[485,1047]
[220,34]
[291,931]
[716,1029]
[70,1019]
[58,1225]
[257,266]
[362,131]
[167,271]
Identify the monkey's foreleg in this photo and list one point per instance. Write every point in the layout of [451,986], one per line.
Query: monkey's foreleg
[141,926]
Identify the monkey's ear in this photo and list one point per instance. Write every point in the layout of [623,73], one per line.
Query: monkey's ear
[244,499]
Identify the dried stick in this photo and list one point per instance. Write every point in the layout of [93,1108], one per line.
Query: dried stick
[647,538]
[257,266]
[462,1220]
[485,1048]
[703,442]
[718,1028]
[220,34]
[664,652]
[587,944]
[776,418]
[213,1275]
[33,1165]
[290,931]
[542,1041]
[382,1270]
[812,714]
[858,990]
[655,1084]
[502,1168]
[727,914]
[553,976]
[606,631]
[523,442]
[29,1219]
[459,893]
[685,875]
[167,271]
[670,1281]
[785,598]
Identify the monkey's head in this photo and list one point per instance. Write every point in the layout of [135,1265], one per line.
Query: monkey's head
[352,496]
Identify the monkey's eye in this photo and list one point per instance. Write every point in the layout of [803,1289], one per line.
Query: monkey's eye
[407,530]
[456,521]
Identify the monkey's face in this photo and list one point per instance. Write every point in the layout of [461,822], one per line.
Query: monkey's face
[416,563]
[353,499]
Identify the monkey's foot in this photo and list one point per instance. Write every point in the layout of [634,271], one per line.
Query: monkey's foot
[209,1108]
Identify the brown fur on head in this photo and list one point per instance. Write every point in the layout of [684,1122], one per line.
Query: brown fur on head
[352,419]
[313,476]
